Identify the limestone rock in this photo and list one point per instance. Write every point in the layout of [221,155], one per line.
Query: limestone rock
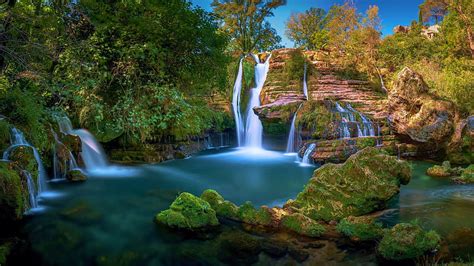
[363,184]
[416,113]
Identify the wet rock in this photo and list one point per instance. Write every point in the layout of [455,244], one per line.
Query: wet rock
[13,194]
[361,228]
[416,113]
[467,176]
[23,157]
[302,225]
[298,254]
[82,213]
[407,241]
[275,248]
[363,184]
[188,212]
[247,213]
[76,175]
[238,248]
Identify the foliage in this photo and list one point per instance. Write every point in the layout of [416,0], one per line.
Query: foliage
[407,241]
[13,195]
[244,21]
[295,65]
[307,29]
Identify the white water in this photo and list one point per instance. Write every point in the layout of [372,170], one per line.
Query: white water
[239,123]
[92,153]
[305,85]
[349,115]
[307,154]
[253,126]
[31,190]
[367,125]
[290,146]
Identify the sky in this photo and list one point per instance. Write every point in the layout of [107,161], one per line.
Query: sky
[392,12]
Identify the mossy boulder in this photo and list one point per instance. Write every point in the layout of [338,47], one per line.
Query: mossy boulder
[302,225]
[24,158]
[248,214]
[438,171]
[76,175]
[13,195]
[407,241]
[223,208]
[467,175]
[188,212]
[361,185]
[363,228]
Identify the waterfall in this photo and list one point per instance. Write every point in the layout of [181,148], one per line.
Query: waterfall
[239,124]
[305,85]
[92,153]
[17,139]
[367,125]
[290,146]
[253,127]
[379,135]
[345,117]
[307,154]
[349,116]
[31,190]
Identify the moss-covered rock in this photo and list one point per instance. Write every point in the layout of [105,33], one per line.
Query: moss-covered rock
[438,171]
[13,195]
[76,175]
[363,184]
[407,241]
[363,228]
[247,213]
[302,225]
[467,175]
[223,208]
[24,158]
[188,212]
[4,252]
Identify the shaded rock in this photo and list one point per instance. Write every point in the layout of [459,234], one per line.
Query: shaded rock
[238,248]
[188,212]
[416,113]
[76,175]
[461,147]
[298,254]
[4,252]
[407,241]
[361,228]
[302,225]
[23,157]
[275,248]
[13,194]
[363,184]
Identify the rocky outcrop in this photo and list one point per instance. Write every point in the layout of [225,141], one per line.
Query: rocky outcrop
[363,184]
[461,146]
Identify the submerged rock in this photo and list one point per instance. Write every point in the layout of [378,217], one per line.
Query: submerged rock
[407,241]
[363,228]
[302,225]
[76,175]
[188,212]
[363,184]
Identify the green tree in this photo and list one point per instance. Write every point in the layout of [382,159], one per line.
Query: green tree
[307,29]
[244,21]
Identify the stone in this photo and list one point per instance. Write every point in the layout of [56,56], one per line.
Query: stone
[460,150]
[76,175]
[361,185]
[238,248]
[407,241]
[248,214]
[302,225]
[223,208]
[467,176]
[362,228]
[13,194]
[188,212]
[416,113]
[23,157]
[438,171]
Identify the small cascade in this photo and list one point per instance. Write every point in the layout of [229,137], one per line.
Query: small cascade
[305,85]
[290,146]
[71,161]
[307,154]
[33,195]
[379,140]
[253,127]
[18,139]
[348,115]
[239,124]
[92,153]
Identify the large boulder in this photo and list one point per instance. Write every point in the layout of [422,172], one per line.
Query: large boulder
[416,113]
[363,184]
[188,212]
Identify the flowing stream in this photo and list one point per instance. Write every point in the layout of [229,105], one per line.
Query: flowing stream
[239,124]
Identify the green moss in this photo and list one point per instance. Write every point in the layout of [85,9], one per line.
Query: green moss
[438,171]
[247,213]
[188,212]
[13,195]
[407,241]
[4,252]
[360,228]
[23,157]
[467,175]
[4,134]
[222,207]
[363,184]
[302,225]
[316,116]
[362,143]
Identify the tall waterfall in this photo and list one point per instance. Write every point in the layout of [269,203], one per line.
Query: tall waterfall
[290,146]
[17,139]
[253,126]
[239,124]
[92,153]
[305,85]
